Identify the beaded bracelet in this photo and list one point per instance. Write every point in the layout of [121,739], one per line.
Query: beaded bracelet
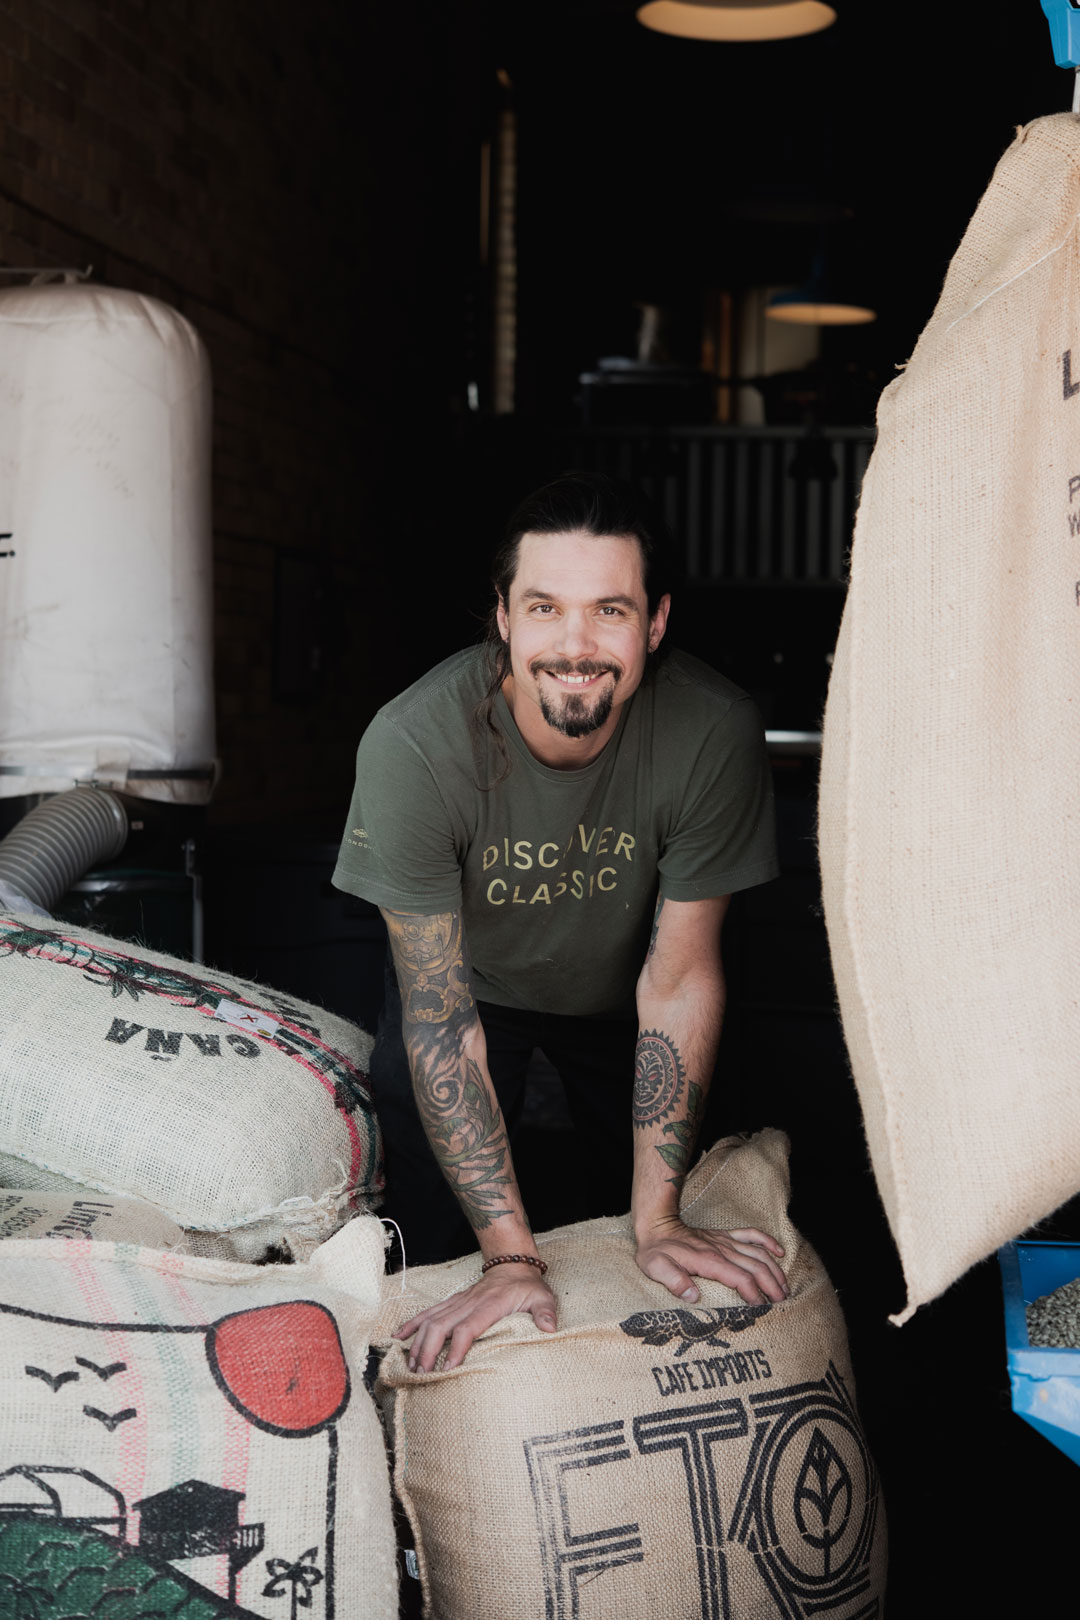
[515,1260]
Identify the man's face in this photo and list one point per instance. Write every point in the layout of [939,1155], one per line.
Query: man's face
[579,629]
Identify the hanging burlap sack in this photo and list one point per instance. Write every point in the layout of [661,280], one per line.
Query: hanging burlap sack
[648,1460]
[193,1436]
[950,790]
[234,1110]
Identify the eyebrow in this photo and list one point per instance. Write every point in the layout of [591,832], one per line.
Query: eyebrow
[601,601]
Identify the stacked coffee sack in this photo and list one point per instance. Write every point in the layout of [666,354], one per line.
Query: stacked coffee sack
[185,1432]
[187,1436]
[647,1460]
[243,1116]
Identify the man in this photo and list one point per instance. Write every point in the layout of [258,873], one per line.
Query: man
[521,815]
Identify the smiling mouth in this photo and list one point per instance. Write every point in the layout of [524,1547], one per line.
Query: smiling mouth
[576,680]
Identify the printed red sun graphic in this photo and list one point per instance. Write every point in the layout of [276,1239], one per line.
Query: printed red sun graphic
[282,1366]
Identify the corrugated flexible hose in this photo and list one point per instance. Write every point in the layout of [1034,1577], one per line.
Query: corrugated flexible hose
[59,840]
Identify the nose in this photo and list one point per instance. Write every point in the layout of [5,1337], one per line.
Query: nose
[577,638]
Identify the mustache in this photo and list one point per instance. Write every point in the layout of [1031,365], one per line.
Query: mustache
[564,666]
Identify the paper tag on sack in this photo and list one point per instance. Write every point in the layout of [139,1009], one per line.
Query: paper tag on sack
[260,1023]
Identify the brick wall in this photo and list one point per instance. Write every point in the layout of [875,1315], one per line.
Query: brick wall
[277,173]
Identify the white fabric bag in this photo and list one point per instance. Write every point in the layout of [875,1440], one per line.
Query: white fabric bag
[106,607]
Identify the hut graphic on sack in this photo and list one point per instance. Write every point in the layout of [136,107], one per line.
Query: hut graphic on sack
[647,1460]
[71,1514]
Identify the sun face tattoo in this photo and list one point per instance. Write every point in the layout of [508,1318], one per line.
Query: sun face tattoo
[658,1086]
[658,1077]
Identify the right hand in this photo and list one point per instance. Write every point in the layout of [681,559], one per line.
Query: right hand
[504,1291]
[744,1259]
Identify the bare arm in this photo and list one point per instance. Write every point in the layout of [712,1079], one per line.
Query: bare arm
[456,1100]
[680,1000]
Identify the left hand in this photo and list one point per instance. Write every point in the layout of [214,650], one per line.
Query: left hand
[744,1259]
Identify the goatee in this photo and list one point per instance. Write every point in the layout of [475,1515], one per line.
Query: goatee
[575,717]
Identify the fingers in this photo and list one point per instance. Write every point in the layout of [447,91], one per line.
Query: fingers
[750,1234]
[456,1323]
[427,1346]
[459,1327]
[544,1316]
[745,1266]
[769,1276]
[407,1329]
[739,1276]
[461,1341]
[663,1269]
[751,1249]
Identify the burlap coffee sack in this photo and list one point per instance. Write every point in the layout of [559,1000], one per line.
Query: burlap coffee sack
[185,1432]
[950,790]
[112,1220]
[648,1460]
[231,1108]
[103,1219]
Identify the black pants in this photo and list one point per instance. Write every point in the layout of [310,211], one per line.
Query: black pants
[590,1171]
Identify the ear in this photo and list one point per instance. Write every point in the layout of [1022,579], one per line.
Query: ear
[658,623]
[502,620]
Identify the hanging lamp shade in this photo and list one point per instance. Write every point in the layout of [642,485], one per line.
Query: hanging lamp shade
[736,19]
[821,300]
[800,308]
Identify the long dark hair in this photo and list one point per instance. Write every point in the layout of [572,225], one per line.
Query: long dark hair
[589,503]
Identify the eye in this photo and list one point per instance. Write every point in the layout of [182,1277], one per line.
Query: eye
[542,607]
[611,612]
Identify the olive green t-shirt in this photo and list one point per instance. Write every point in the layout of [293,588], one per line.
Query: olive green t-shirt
[557,872]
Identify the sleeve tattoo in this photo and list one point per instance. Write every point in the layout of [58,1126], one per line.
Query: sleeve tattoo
[655,927]
[463,1124]
[659,1079]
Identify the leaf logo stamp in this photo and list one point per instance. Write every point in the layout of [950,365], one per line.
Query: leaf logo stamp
[661,1327]
[823,1497]
[808,1509]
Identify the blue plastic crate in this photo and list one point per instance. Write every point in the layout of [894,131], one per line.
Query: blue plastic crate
[1045,1383]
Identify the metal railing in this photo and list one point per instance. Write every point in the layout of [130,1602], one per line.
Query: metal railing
[761,505]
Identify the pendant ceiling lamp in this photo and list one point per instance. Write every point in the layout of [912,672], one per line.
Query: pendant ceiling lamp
[736,19]
[802,308]
[820,301]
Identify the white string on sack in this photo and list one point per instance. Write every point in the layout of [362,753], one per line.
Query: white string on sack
[401,1239]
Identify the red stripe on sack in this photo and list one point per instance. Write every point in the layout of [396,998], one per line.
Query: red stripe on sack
[356,1146]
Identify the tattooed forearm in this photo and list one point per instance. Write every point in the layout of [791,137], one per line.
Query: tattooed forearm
[658,1086]
[658,1077]
[655,927]
[467,1137]
[456,1105]
[683,1132]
